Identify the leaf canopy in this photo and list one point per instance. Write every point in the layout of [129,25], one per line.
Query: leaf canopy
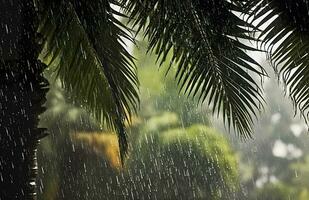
[204,38]
[84,45]
[285,35]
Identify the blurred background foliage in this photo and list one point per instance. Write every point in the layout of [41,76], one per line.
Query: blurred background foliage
[272,165]
[175,150]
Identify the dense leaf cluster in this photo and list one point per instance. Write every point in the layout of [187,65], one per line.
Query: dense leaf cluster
[85,44]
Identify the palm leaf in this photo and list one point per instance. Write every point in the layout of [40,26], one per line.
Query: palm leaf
[286,37]
[83,46]
[212,62]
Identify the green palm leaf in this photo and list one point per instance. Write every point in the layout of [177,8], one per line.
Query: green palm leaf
[212,62]
[84,47]
[285,33]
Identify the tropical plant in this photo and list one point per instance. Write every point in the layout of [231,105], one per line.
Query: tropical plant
[85,49]
[84,45]
[191,161]
[279,142]
[184,163]
[80,162]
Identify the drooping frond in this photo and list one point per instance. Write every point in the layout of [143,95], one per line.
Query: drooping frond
[203,37]
[285,34]
[84,46]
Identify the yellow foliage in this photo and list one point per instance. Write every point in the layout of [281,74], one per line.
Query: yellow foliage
[304,194]
[103,144]
[134,121]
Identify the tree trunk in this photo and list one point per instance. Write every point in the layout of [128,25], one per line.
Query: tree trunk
[22,95]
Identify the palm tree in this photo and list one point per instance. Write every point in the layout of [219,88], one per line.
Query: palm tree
[285,36]
[23,91]
[83,43]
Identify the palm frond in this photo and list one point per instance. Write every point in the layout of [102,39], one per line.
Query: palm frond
[203,37]
[285,34]
[84,47]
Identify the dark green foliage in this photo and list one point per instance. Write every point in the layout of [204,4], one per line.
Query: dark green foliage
[83,42]
[285,37]
[191,163]
[84,45]
[166,160]
[212,62]
[179,163]
[205,39]
[264,172]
